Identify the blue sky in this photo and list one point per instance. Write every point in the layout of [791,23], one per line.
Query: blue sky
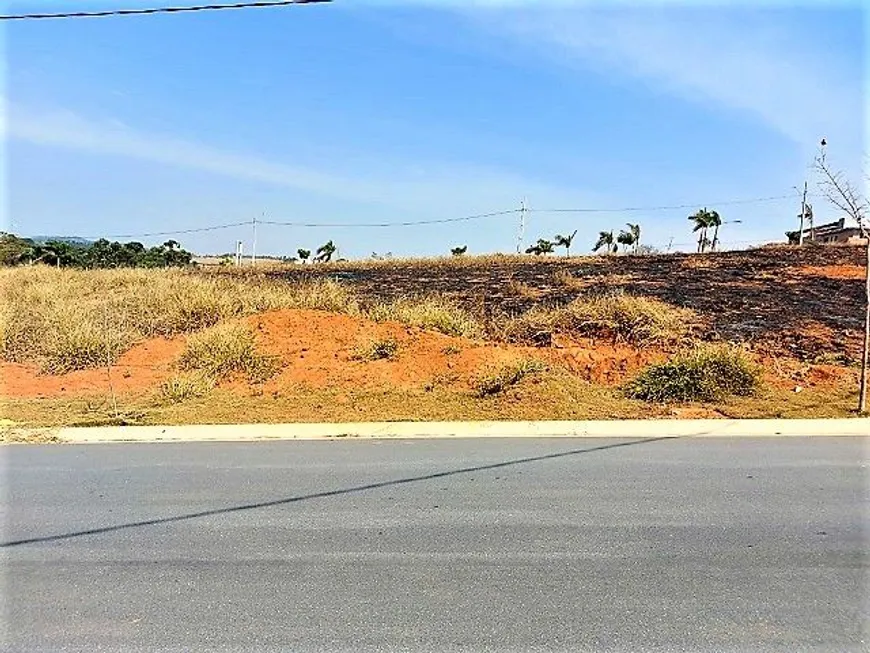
[373,111]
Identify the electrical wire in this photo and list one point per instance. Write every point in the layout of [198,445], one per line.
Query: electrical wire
[389,224]
[467,218]
[628,209]
[178,232]
[161,10]
[248,223]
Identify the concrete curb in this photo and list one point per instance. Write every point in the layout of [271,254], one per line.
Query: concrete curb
[400,430]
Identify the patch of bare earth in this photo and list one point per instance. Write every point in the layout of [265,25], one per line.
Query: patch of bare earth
[139,369]
[318,350]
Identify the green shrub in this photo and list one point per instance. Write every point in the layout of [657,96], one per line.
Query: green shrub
[507,375]
[704,374]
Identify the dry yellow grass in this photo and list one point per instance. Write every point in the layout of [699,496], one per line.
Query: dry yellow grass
[622,317]
[496,381]
[428,263]
[73,319]
[555,395]
[522,289]
[186,385]
[431,312]
[224,349]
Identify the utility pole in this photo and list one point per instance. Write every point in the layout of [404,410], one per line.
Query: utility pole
[254,242]
[522,232]
[812,224]
[238,253]
[670,243]
[803,214]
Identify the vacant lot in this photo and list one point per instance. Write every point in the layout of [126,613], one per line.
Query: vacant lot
[803,302]
[771,332]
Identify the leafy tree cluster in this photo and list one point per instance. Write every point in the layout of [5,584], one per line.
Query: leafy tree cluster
[323,254]
[705,220]
[99,254]
[627,238]
[544,246]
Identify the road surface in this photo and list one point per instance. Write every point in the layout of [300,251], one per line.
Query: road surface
[435,545]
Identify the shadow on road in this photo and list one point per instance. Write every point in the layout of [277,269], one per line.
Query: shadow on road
[323,495]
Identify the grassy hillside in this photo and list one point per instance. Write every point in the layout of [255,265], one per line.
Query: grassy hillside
[771,332]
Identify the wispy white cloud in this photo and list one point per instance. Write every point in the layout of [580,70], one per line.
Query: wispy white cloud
[420,186]
[713,56]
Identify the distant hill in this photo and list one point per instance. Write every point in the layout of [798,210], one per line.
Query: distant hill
[72,240]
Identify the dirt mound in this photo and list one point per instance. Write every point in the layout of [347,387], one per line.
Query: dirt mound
[142,367]
[318,349]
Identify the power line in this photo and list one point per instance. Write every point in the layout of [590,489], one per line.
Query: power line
[161,10]
[628,209]
[390,224]
[467,218]
[177,232]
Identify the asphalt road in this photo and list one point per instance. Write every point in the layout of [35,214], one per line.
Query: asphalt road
[473,545]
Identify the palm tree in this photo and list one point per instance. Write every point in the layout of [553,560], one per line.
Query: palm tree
[606,240]
[634,230]
[626,239]
[325,252]
[543,246]
[715,222]
[703,220]
[565,241]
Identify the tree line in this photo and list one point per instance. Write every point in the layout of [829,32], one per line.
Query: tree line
[609,241]
[101,253]
[704,222]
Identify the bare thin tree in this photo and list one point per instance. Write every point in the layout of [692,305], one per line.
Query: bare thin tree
[840,192]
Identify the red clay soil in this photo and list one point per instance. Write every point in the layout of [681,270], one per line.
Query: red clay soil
[317,350]
[142,367]
[791,374]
